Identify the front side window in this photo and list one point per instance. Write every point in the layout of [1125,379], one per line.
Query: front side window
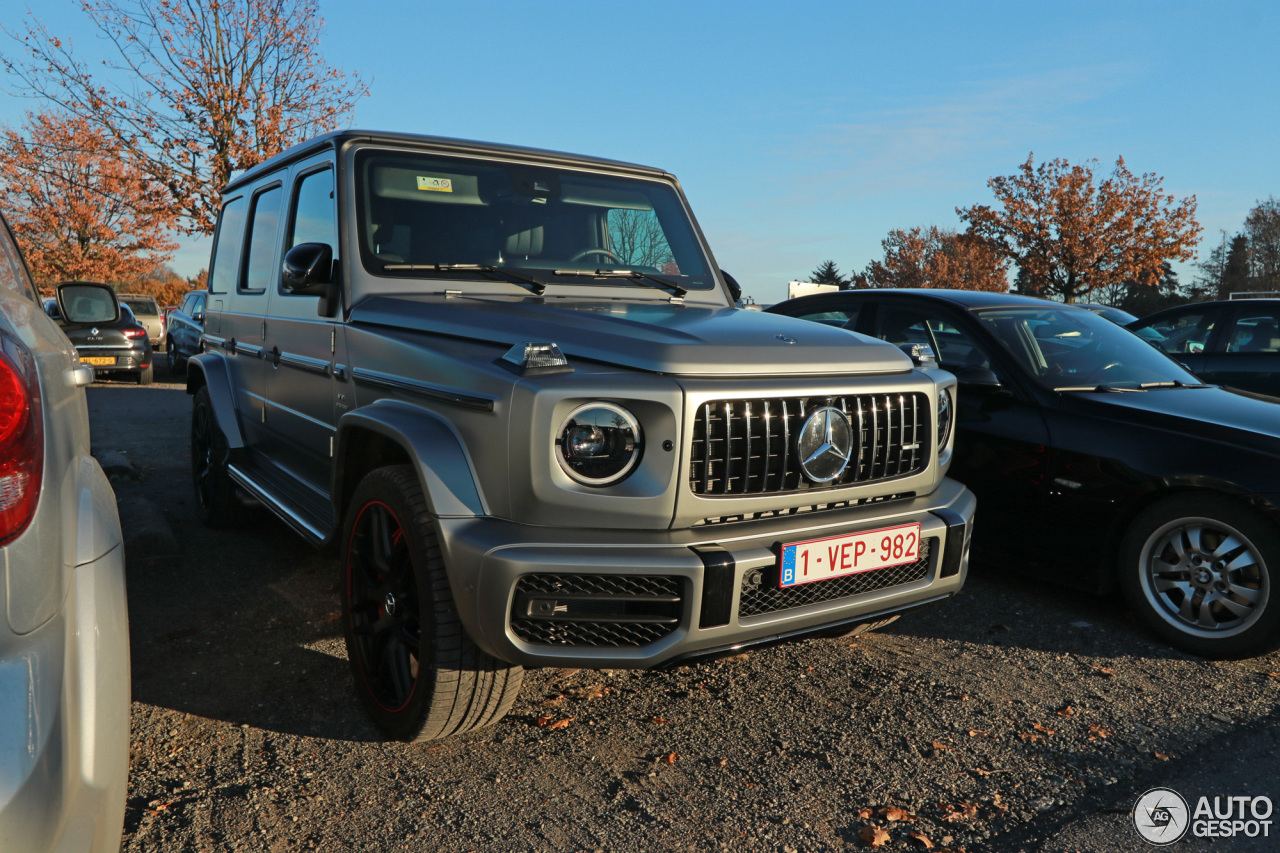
[226,256]
[264,229]
[314,219]
[1187,333]
[419,213]
[954,347]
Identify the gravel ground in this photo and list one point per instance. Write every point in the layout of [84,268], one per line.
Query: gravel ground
[1015,717]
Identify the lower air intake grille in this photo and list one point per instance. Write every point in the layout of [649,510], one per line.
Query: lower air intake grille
[596,610]
[766,597]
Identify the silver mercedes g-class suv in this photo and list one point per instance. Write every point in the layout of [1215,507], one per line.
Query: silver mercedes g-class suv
[512,388]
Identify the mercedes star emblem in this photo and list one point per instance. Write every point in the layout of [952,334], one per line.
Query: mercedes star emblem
[825,444]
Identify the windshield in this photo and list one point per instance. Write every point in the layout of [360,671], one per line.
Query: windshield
[1073,348]
[142,307]
[422,214]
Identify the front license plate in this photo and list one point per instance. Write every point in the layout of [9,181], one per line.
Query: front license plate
[855,553]
[100,360]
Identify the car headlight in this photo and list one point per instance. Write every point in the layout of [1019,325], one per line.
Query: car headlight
[945,411]
[599,444]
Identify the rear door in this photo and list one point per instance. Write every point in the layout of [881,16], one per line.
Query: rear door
[1187,334]
[1248,352]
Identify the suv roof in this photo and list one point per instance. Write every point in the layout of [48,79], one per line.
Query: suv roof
[338,138]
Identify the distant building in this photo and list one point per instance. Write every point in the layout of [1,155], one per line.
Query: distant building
[804,288]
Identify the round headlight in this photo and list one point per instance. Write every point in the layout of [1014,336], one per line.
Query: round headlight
[944,418]
[599,444]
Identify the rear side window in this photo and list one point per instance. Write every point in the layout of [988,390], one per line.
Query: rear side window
[13,272]
[226,257]
[1256,331]
[264,236]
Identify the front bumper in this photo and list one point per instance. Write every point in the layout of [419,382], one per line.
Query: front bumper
[542,596]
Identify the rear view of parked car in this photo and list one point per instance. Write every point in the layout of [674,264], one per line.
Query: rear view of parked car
[183,327]
[147,312]
[111,348]
[64,655]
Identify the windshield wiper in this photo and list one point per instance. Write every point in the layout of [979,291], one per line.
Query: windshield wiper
[643,277]
[1174,384]
[1100,388]
[537,287]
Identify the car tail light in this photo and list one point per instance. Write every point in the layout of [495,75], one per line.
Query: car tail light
[21,442]
[134,333]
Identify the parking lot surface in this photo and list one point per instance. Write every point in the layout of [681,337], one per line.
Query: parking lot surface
[1015,717]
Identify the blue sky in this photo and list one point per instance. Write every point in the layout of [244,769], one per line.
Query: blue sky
[806,131]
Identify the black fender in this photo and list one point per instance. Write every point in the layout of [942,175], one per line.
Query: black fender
[433,446]
[209,370]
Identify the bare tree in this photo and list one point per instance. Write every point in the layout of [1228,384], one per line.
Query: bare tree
[197,90]
[637,239]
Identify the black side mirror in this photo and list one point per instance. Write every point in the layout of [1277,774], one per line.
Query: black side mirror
[308,271]
[977,380]
[735,289]
[86,302]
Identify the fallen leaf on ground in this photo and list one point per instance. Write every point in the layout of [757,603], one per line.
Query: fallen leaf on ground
[595,691]
[920,840]
[560,724]
[1030,737]
[874,835]
[981,772]
[1096,731]
[552,702]
[939,746]
[959,812]
[866,813]
[658,721]
[893,813]
[1105,671]
[1040,728]
[981,733]
[1161,756]
[723,762]
[670,758]
[1066,711]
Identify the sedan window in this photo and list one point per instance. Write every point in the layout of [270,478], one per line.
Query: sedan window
[954,347]
[1072,349]
[1187,332]
[1256,331]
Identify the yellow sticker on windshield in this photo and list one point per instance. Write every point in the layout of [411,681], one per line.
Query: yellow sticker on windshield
[439,185]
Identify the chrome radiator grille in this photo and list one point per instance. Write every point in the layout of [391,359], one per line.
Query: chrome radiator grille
[748,447]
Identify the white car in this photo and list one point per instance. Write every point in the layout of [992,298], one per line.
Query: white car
[64,642]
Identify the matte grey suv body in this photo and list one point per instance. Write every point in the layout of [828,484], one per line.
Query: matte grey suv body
[64,638]
[512,387]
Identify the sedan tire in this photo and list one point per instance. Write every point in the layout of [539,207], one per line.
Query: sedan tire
[1200,571]
[417,673]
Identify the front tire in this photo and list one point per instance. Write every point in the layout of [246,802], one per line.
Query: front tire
[1200,571]
[417,673]
[216,501]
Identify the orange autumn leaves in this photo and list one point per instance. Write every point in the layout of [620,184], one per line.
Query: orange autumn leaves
[1071,234]
[77,207]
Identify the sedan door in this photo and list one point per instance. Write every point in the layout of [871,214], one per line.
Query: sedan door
[1187,333]
[1001,449]
[1247,356]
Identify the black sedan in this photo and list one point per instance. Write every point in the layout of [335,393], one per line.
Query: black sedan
[119,344]
[1098,460]
[1234,342]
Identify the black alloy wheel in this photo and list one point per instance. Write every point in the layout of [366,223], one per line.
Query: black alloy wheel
[216,501]
[382,607]
[417,673]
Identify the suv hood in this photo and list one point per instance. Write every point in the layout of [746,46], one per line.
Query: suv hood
[655,336]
